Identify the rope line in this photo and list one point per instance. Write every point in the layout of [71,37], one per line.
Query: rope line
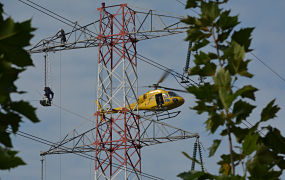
[60,117]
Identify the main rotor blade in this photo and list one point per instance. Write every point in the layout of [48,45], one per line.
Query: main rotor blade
[171,89]
[166,73]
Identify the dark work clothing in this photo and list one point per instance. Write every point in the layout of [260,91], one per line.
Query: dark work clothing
[48,93]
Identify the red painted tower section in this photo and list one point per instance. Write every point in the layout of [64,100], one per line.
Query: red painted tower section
[117,144]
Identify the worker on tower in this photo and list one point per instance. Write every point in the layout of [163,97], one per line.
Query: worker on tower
[48,96]
[62,36]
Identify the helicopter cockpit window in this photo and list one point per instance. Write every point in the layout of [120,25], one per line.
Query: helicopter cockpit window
[172,94]
[166,97]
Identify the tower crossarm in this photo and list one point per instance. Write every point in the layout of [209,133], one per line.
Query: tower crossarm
[157,132]
[149,25]
[152,132]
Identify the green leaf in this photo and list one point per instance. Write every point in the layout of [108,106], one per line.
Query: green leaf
[205,92]
[250,144]
[246,92]
[269,111]
[13,120]
[242,110]
[199,44]
[226,161]
[201,58]
[240,133]
[226,21]
[230,177]
[195,34]
[213,55]
[25,109]
[223,79]
[274,140]
[208,69]
[214,121]
[223,82]
[189,20]
[235,53]
[202,107]
[224,36]
[261,167]
[191,4]
[242,37]
[8,159]
[190,175]
[189,157]
[196,175]
[10,119]
[13,38]
[214,147]
[5,139]
[1,12]
[210,11]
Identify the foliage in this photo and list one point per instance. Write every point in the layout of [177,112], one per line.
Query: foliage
[221,59]
[13,60]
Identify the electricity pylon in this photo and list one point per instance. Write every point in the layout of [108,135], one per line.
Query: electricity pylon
[117,138]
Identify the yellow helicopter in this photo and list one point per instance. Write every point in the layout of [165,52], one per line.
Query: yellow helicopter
[154,100]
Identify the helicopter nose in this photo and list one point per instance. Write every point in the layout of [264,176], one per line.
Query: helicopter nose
[181,100]
[178,100]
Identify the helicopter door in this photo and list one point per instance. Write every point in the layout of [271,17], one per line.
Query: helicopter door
[159,100]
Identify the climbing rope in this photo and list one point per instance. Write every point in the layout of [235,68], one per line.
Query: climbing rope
[45,75]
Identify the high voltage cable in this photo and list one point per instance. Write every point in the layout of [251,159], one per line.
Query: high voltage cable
[51,12]
[45,12]
[268,67]
[185,5]
[39,7]
[49,143]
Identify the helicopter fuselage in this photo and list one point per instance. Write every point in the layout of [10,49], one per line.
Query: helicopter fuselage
[155,100]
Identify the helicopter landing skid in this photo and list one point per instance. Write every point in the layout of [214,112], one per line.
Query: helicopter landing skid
[162,115]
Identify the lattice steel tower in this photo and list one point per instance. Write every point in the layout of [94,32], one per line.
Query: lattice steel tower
[116,140]
[117,134]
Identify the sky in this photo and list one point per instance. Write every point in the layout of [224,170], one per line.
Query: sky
[73,77]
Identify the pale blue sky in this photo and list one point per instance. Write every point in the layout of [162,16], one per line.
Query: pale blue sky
[79,75]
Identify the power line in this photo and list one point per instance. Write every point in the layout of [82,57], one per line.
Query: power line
[185,5]
[45,12]
[58,17]
[268,67]
[51,12]
[180,2]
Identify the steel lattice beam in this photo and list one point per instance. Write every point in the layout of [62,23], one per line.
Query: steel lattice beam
[149,26]
[153,132]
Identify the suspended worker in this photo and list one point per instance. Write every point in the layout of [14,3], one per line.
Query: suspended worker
[48,97]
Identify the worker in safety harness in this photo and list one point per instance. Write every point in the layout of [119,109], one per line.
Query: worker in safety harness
[48,97]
